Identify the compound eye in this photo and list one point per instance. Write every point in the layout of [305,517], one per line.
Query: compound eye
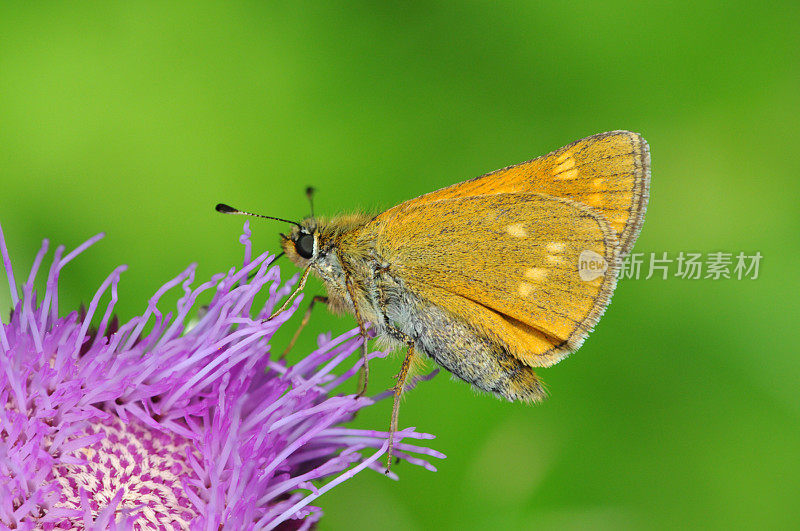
[305,245]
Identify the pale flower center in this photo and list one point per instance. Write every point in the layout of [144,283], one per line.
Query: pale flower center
[145,462]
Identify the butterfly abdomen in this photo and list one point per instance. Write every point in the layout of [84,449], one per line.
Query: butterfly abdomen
[460,349]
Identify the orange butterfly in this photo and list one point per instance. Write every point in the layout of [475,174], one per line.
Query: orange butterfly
[485,276]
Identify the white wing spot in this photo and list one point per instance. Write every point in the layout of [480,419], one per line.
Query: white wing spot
[564,156]
[568,164]
[537,274]
[569,174]
[555,247]
[517,230]
[565,167]
[524,289]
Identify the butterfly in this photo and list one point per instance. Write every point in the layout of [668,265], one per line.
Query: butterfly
[491,277]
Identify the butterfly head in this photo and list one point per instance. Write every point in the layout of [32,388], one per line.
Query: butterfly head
[302,244]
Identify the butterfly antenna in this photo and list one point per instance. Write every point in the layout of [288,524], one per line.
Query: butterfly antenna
[227,209]
[310,194]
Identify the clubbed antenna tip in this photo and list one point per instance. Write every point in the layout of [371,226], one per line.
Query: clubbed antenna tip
[225,209]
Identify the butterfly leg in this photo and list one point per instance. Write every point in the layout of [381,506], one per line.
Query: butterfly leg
[363,373]
[304,322]
[293,295]
[398,391]
[402,376]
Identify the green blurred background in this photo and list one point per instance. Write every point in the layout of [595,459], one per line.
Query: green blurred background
[680,410]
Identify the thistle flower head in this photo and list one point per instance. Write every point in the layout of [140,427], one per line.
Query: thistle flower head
[190,425]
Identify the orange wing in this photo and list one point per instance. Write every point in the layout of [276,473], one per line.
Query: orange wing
[507,264]
[608,172]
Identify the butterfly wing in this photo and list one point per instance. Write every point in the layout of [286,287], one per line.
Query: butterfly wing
[507,264]
[609,172]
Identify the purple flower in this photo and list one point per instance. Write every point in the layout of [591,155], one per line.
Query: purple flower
[188,426]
